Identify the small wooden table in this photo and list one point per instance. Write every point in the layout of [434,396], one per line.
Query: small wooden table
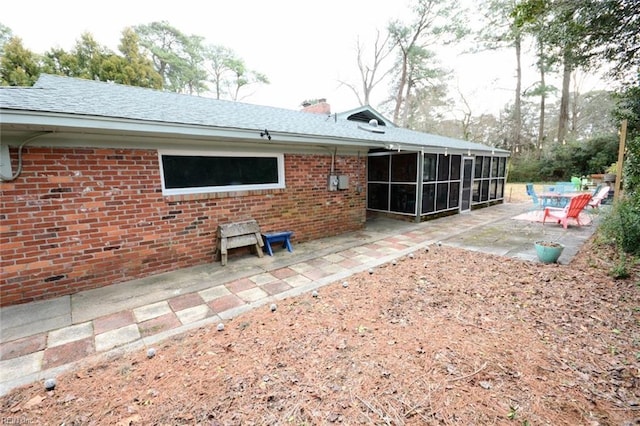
[276,237]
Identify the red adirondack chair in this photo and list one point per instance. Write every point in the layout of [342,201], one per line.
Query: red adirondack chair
[571,211]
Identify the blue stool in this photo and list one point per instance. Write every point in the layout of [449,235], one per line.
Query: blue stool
[276,237]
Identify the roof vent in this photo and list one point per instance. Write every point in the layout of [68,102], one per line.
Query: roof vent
[371,127]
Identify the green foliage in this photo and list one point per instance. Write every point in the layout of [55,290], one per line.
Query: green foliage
[18,65]
[228,72]
[156,55]
[622,226]
[594,155]
[135,69]
[629,109]
[435,22]
[525,169]
[566,160]
[5,35]
[621,268]
[614,35]
[90,60]
[176,56]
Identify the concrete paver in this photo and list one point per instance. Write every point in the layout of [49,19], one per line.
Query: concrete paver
[70,334]
[214,293]
[22,366]
[158,324]
[113,321]
[185,301]
[276,287]
[37,317]
[44,338]
[154,310]
[297,280]
[67,353]
[193,314]
[23,346]
[252,295]
[263,278]
[117,337]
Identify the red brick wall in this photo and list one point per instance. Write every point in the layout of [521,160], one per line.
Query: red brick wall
[78,219]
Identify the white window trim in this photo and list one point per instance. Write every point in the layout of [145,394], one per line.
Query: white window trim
[227,188]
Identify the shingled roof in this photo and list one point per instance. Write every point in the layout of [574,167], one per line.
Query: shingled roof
[69,102]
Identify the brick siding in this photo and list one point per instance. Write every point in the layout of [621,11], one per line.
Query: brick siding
[79,218]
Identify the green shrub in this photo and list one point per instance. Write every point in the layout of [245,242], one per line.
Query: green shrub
[622,226]
[621,268]
[524,169]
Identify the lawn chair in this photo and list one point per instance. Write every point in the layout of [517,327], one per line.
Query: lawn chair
[572,211]
[577,183]
[532,193]
[596,200]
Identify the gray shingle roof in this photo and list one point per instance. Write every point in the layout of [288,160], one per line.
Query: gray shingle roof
[86,98]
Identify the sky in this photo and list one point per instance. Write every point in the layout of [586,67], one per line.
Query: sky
[305,48]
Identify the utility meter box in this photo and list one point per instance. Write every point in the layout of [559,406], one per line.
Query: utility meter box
[343,182]
[333,183]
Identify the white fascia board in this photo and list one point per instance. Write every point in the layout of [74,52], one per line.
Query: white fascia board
[88,124]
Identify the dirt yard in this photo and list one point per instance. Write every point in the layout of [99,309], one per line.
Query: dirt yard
[443,336]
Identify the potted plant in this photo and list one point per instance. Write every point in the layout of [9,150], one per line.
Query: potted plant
[611,173]
[548,251]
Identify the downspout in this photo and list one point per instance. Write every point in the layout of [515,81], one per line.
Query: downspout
[19,170]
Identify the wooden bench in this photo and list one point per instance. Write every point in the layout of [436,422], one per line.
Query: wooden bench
[241,234]
[283,237]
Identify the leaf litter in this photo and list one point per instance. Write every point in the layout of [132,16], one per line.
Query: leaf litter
[444,336]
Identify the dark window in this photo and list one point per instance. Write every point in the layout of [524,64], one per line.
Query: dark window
[403,198]
[428,198]
[455,167]
[484,190]
[476,190]
[478,172]
[378,196]
[494,167]
[501,167]
[443,167]
[442,196]
[403,168]
[486,166]
[500,189]
[454,194]
[429,172]
[378,168]
[489,178]
[392,182]
[212,173]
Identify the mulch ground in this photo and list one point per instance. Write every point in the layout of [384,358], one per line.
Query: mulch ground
[444,336]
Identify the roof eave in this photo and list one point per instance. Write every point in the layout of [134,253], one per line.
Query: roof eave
[56,122]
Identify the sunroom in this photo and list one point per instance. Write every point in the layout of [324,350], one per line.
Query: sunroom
[424,184]
[420,175]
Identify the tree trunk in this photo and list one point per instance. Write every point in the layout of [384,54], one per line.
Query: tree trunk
[575,105]
[407,104]
[517,107]
[563,119]
[543,98]
[401,86]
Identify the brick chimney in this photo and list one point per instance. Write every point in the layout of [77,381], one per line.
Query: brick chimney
[319,106]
